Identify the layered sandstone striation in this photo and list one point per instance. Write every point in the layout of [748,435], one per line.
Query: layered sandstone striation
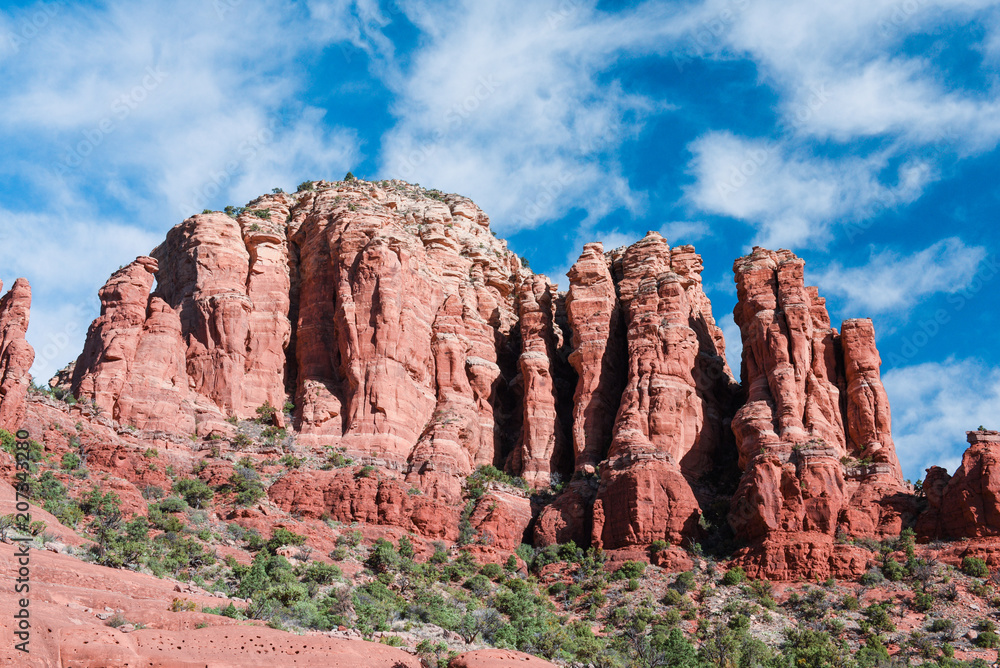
[814,434]
[376,309]
[16,354]
[652,400]
[672,419]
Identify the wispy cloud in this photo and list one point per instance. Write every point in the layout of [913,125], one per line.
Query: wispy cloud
[934,404]
[510,103]
[790,196]
[851,99]
[891,281]
[125,118]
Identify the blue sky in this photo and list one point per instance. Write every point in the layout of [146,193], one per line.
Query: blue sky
[861,134]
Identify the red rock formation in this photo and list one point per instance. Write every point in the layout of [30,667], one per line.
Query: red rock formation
[570,516]
[409,336]
[869,423]
[399,302]
[670,422]
[595,319]
[542,440]
[104,366]
[500,519]
[652,398]
[345,496]
[967,504]
[815,403]
[497,658]
[16,354]
[71,595]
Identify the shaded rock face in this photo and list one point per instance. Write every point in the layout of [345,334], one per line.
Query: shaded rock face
[547,384]
[967,504]
[16,354]
[653,398]
[814,434]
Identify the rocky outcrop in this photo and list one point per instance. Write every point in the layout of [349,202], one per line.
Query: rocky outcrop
[599,355]
[652,400]
[814,434]
[967,504]
[16,354]
[672,419]
[500,519]
[544,449]
[348,495]
[104,366]
[409,337]
[376,309]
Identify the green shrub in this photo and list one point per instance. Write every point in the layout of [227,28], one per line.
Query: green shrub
[943,626]
[266,413]
[70,461]
[9,443]
[893,570]
[987,639]
[194,491]
[684,582]
[172,505]
[492,571]
[282,537]
[630,570]
[405,548]
[292,462]
[872,577]
[350,539]
[734,576]
[245,481]
[878,616]
[382,557]
[922,602]
[975,567]
[47,488]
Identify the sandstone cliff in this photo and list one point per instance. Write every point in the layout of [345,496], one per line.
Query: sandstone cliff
[814,434]
[16,354]
[377,309]
[410,338]
[967,504]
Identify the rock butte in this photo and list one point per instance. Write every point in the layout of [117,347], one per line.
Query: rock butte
[411,338]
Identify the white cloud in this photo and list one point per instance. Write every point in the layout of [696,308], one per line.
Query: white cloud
[170,101]
[684,231]
[66,260]
[847,84]
[125,118]
[791,196]
[934,404]
[734,342]
[506,103]
[892,282]
[830,63]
